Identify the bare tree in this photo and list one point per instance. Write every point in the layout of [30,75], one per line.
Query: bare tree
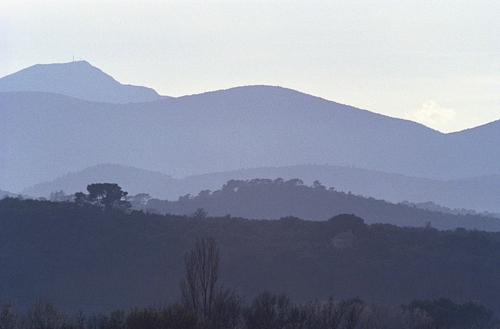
[43,315]
[228,310]
[216,307]
[332,313]
[353,312]
[268,311]
[202,272]
[9,317]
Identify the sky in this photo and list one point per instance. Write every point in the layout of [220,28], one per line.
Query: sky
[434,62]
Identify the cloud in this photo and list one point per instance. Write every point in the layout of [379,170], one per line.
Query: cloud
[433,115]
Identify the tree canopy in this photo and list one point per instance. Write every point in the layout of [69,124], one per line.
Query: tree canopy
[107,196]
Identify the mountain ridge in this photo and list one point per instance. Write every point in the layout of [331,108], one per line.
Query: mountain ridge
[47,135]
[264,199]
[174,135]
[471,194]
[76,79]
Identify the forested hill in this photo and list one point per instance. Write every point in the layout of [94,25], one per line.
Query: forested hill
[273,199]
[81,257]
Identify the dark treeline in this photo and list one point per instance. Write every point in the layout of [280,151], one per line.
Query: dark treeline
[85,258]
[273,199]
[266,311]
[205,304]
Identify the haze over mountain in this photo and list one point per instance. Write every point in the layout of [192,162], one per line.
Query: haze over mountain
[47,135]
[479,193]
[76,79]
[133,180]
[4,194]
[84,254]
[279,198]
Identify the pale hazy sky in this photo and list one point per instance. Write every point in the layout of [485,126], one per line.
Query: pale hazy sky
[436,62]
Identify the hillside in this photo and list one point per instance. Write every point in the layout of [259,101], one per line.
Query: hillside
[47,135]
[242,128]
[132,179]
[4,194]
[76,79]
[83,258]
[477,194]
[268,199]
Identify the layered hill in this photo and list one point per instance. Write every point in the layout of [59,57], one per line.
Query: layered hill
[133,180]
[461,196]
[5,194]
[76,79]
[274,199]
[47,135]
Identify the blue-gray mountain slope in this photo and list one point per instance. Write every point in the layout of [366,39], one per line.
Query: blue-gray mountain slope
[76,79]
[478,193]
[47,135]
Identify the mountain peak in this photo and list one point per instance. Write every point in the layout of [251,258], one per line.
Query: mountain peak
[77,79]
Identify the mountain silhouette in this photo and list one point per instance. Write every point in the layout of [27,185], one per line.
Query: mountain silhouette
[76,79]
[133,180]
[464,195]
[46,135]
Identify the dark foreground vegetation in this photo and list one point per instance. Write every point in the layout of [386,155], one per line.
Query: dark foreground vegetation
[205,304]
[124,266]
[266,311]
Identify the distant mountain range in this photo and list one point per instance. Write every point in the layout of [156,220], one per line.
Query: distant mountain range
[479,193]
[76,79]
[67,126]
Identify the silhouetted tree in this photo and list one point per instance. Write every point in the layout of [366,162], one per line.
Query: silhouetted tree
[445,312]
[268,311]
[98,321]
[107,195]
[177,316]
[353,312]
[147,318]
[216,308]
[59,196]
[43,315]
[227,310]
[139,201]
[332,313]
[202,272]
[200,213]
[9,317]
[81,198]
